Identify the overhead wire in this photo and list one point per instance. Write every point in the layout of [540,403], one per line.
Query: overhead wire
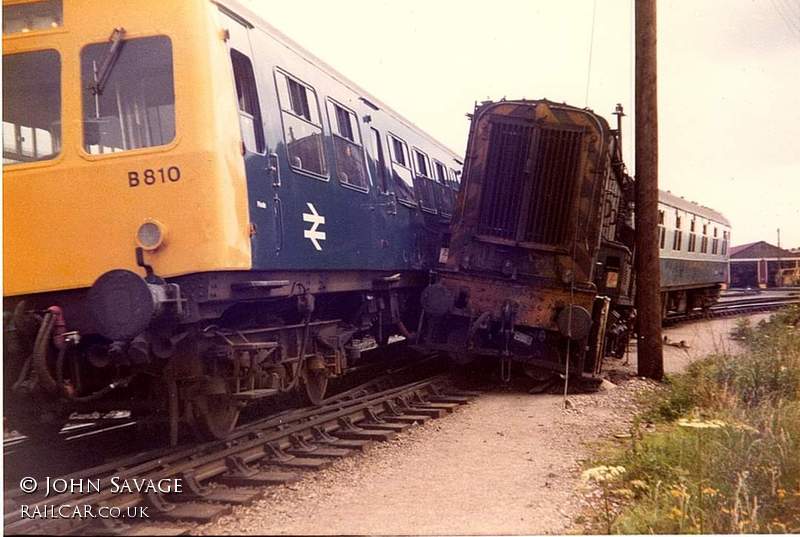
[591,49]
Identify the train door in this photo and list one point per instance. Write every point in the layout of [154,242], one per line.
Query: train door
[263,180]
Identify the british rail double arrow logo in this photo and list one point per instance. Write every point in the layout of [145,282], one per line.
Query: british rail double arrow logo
[316,220]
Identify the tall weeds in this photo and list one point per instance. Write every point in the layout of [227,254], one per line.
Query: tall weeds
[725,454]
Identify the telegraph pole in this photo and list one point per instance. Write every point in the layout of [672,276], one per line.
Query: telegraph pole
[650,357]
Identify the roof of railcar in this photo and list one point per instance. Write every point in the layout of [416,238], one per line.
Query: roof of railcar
[255,20]
[668,198]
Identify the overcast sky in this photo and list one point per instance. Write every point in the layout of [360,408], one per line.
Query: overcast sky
[729,80]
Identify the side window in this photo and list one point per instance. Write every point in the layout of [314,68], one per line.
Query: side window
[455,178]
[425,189]
[402,176]
[662,236]
[249,108]
[421,163]
[380,160]
[31,106]
[347,149]
[447,198]
[677,240]
[440,171]
[302,128]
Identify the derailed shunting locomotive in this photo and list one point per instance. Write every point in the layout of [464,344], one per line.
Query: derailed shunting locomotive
[539,266]
[539,260]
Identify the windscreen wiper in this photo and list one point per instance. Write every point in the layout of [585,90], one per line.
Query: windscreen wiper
[102,73]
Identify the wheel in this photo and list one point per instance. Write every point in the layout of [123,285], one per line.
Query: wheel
[316,383]
[214,413]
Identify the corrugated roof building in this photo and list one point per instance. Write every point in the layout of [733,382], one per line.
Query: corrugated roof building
[761,264]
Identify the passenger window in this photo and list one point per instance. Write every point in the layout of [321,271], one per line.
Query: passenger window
[401,173]
[441,174]
[455,178]
[347,149]
[31,106]
[421,163]
[380,162]
[677,240]
[249,107]
[132,104]
[424,189]
[302,128]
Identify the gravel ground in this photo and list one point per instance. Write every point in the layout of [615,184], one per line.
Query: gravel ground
[508,463]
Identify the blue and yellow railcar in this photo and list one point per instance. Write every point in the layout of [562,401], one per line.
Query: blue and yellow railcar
[198,213]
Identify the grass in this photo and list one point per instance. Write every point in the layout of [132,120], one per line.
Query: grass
[725,453]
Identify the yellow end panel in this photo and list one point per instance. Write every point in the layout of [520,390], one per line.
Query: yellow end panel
[69,220]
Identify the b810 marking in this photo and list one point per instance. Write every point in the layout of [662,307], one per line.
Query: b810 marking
[150,176]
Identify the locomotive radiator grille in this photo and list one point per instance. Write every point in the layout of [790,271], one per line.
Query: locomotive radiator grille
[531,172]
[506,175]
[556,156]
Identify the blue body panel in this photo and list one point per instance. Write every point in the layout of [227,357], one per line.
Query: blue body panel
[689,273]
[363,230]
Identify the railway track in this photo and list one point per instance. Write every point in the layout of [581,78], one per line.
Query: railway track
[214,476]
[739,306]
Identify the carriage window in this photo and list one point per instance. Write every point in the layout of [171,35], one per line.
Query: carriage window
[249,109]
[31,106]
[302,128]
[441,174]
[298,99]
[455,178]
[704,245]
[692,242]
[32,16]
[691,225]
[661,217]
[677,221]
[662,237]
[135,106]
[714,245]
[677,240]
[401,173]
[380,162]
[399,151]
[349,154]
[421,163]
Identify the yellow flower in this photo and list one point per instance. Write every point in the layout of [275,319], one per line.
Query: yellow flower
[603,473]
[679,492]
[639,484]
[781,493]
[710,491]
[675,512]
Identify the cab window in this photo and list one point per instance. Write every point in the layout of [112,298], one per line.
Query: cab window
[31,106]
[129,104]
